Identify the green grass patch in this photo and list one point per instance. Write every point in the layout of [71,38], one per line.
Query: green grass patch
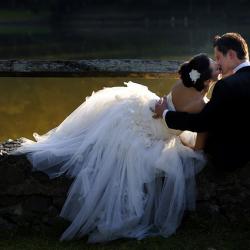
[25,29]
[21,15]
[194,233]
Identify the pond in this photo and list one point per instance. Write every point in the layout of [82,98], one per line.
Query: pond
[30,105]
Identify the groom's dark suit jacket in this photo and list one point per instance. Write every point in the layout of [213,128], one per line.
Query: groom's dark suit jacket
[226,118]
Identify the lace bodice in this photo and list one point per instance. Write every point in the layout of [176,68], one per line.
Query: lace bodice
[170,102]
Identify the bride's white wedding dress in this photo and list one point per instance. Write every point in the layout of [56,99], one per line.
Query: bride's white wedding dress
[118,154]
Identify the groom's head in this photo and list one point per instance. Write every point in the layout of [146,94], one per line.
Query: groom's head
[230,50]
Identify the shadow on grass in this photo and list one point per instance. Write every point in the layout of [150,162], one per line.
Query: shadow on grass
[195,232]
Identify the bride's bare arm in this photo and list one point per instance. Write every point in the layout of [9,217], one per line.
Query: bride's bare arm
[201,137]
[188,100]
[198,144]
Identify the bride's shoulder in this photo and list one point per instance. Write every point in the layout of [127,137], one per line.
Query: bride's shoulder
[176,88]
[177,85]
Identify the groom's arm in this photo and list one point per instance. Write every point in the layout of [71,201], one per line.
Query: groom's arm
[187,121]
[203,121]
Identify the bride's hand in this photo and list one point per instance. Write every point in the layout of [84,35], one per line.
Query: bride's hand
[160,106]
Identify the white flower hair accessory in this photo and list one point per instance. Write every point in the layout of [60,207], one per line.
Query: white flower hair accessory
[194,75]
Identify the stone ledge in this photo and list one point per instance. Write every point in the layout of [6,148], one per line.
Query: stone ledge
[96,67]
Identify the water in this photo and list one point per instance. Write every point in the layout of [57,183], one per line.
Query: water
[30,105]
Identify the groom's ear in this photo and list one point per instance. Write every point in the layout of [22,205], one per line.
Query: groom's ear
[232,54]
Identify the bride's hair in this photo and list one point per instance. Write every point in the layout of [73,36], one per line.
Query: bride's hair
[200,63]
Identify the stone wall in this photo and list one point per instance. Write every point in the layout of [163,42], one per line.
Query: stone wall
[28,198]
[32,199]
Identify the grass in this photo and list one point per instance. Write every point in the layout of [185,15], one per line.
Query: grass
[25,29]
[24,15]
[196,232]
[23,22]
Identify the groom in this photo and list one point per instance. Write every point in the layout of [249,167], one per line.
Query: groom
[226,117]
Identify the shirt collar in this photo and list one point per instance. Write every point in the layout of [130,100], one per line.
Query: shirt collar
[244,64]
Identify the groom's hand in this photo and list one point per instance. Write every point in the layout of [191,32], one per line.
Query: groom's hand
[160,106]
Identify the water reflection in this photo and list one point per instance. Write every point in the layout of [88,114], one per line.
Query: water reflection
[30,105]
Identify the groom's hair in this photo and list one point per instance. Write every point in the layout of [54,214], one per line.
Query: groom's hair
[233,41]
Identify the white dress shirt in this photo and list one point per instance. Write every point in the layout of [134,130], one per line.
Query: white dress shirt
[244,64]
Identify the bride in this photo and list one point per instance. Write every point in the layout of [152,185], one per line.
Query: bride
[133,176]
